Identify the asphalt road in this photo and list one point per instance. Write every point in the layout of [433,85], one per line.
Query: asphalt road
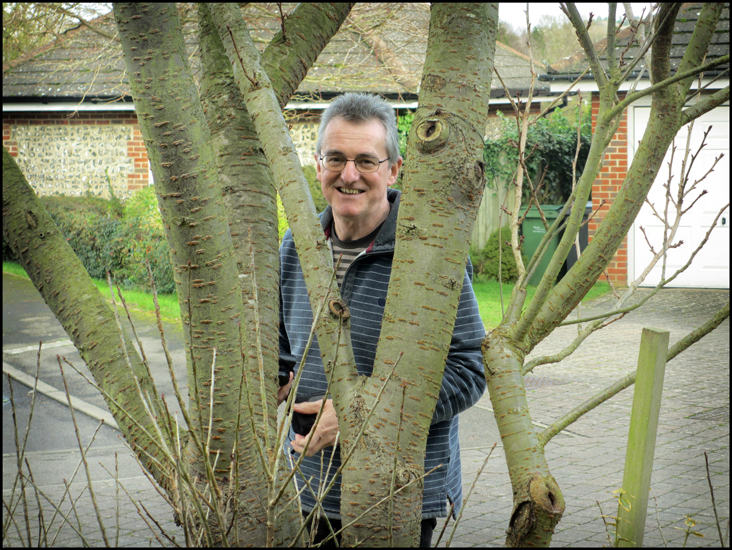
[27,320]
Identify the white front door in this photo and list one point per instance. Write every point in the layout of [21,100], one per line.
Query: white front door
[710,267]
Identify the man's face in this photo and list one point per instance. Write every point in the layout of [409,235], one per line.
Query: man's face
[358,200]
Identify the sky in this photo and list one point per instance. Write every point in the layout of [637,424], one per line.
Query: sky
[514,13]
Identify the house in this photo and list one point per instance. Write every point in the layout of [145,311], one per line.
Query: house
[710,268]
[69,119]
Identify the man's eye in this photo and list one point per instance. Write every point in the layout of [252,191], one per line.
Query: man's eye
[335,161]
[366,163]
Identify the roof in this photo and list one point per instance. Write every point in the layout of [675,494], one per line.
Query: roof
[572,66]
[380,48]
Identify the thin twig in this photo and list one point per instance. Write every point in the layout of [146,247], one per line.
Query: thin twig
[467,497]
[344,527]
[20,449]
[42,530]
[139,512]
[116,494]
[447,520]
[394,471]
[73,477]
[255,84]
[714,504]
[607,527]
[83,455]
[658,520]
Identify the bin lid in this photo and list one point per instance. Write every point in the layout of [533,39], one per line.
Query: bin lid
[551,211]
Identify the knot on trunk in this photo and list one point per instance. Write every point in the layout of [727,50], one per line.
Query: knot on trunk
[406,475]
[538,507]
[338,308]
[432,134]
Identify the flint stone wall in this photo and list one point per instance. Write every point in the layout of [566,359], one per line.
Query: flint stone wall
[75,160]
[86,153]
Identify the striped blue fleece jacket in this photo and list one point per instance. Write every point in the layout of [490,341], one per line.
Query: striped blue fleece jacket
[364,289]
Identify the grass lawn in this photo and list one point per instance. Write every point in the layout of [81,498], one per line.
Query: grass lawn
[142,301]
[487,293]
[489,299]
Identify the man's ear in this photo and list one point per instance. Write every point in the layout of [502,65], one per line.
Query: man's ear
[317,165]
[395,171]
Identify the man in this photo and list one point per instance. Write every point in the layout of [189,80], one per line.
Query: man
[357,155]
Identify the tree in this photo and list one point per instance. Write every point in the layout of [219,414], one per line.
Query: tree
[552,37]
[219,213]
[26,26]
[538,502]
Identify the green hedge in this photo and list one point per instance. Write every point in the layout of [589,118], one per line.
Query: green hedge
[109,237]
[551,143]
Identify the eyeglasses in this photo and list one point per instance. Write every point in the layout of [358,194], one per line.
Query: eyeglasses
[365,165]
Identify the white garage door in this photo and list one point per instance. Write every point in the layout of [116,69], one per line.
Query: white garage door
[710,268]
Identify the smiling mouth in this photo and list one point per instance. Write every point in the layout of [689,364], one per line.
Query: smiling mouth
[350,191]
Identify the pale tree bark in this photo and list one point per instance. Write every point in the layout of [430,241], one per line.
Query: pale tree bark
[442,186]
[247,184]
[256,211]
[182,156]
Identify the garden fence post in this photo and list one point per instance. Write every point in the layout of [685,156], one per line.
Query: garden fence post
[642,437]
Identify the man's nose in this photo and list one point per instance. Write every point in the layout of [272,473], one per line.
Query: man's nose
[350,173]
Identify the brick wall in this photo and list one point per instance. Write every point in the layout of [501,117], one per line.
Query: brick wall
[606,187]
[73,155]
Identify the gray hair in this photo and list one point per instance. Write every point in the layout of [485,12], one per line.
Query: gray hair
[360,107]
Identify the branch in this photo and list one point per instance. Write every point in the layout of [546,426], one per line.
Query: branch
[285,165]
[571,348]
[599,398]
[660,68]
[612,63]
[615,111]
[642,53]
[706,105]
[661,283]
[629,292]
[84,22]
[558,99]
[699,333]
[701,38]
[287,59]
[584,38]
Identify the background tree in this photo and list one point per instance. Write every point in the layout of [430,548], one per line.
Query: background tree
[193,169]
[27,26]
[552,37]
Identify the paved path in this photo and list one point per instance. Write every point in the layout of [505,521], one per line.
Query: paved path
[587,460]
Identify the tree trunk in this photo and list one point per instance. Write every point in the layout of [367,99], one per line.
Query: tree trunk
[538,503]
[68,290]
[434,227]
[443,186]
[180,149]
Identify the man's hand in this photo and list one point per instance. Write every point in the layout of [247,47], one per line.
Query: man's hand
[284,391]
[324,434]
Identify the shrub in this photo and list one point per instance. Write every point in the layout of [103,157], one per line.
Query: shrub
[485,262]
[106,241]
[144,205]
